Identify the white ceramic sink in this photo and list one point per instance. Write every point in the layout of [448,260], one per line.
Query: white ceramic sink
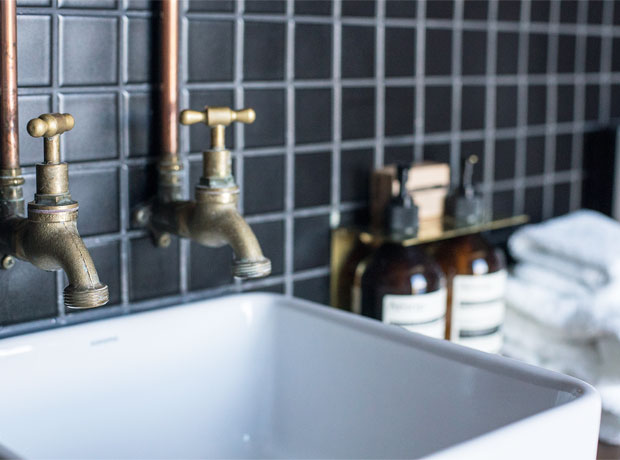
[264,376]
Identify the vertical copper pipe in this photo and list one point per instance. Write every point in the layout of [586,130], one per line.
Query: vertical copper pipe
[8,96]
[170,82]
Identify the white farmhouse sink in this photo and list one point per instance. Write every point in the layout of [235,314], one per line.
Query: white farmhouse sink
[264,376]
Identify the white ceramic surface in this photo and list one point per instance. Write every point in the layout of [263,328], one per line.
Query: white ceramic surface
[264,376]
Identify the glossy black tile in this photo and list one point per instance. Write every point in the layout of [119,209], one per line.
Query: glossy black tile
[313,177]
[215,61]
[355,168]
[358,8]
[437,152]
[615,98]
[439,9]
[593,54]
[506,101]
[439,62]
[535,156]
[474,54]
[563,152]
[140,118]
[536,104]
[142,187]
[140,41]
[507,52]
[503,203]
[537,53]
[401,8]
[475,9]
[509,10]
[263,184]
[264,47]
[358,113]
[561,199]
[209,267]
[311,242]
[107,4]
[592,102]
[213,6]
[154,272]
[505,155]
[265,6]
[313,7]
[565,107]
[540,10]
[473,107]
[534,203]
[399,110]
[358,52]
[397,154]
[97,193]
[313,289]
[566,53]
[273,289]
[268,129]
[568,11]
[34,45]
[400,45]
[313,51]
[437,108]
[313,115]
[615,58]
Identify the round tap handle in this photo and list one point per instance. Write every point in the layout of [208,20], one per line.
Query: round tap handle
[217,116]
[50,124]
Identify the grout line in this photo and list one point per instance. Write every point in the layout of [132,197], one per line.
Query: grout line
[490,107]
[605,64]
[419,74]
[336,83]
[380,86]
[457,91]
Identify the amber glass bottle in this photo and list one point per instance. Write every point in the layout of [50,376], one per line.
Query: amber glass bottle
[402,284]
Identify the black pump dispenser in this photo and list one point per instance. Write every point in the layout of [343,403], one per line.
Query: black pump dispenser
[402,212]
[464,205]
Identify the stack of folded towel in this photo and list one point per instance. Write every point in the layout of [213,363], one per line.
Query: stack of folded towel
[563,304]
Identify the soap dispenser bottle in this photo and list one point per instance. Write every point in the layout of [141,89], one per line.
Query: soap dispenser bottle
[475,271]
[402,284]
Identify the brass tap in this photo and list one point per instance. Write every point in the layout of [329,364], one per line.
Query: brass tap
[213,218]
[48,238]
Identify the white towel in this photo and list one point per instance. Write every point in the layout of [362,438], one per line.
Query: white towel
[583,246]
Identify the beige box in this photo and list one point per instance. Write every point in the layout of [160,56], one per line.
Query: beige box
[428,185]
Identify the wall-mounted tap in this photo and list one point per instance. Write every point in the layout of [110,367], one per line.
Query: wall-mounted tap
[48,238]
[212,219]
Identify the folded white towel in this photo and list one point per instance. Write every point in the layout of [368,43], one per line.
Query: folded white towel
[583,245]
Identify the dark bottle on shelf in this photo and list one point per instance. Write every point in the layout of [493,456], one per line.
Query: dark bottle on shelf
[401,284]
[475,272]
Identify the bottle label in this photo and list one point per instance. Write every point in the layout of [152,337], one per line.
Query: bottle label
[422,313]
[478,310]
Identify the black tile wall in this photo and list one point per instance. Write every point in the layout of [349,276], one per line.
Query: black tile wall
[338,86]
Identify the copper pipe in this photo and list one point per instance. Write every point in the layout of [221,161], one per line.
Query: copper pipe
[170,79]
[8,96]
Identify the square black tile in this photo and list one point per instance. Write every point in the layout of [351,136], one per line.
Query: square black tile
[437,152]
[563,152]
[358,52]
[30,148]
[107,261]
[399,110]
[313,51]
[264,49]
[561,199]
[358,113]
[476,9]
[263,184]
[215,61]
[505,155]
[537,54]
[540,10]
[535,156]
[313,289]
[401,8]
[154,272]
[88,3]
[566,53]
[503,203]
[439,62]
[268,129]
[358,7]
[142,140]
[199,134]
[313,7]
[536,104]
[507,52]
[506,101]
[615,58]
[400,45]
[355,169]
[95,134]
[34,45]
[615,101]
[474,54]
[568,11]
[534,203]
[595,12]
[265,6]
[593,54]
[272,289]
[140,60]
[566,99]
[473,107]
[97,192]
[138,4]
[592,102]
[210,267]
[16,290]
[313,178]
[34,2]
[398,154]
[142,187]
[83,38]
[213,6]
[439,9]
[313,115]
[438,108]
[509,10]
[311,242]
[270,235]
